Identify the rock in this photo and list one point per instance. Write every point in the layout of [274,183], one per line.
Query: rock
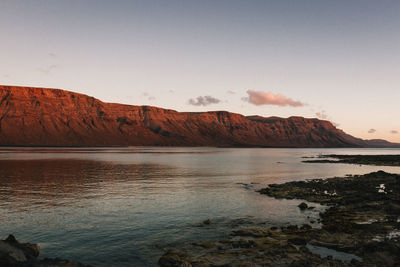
[303,206]
[297,241]
[174,259]
[206,244]
[243,243]
[254,232]
[14,253]
[306,227]
[10,254]
[19,252]
[207,222]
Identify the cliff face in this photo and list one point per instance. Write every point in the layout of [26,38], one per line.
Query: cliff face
[52,117]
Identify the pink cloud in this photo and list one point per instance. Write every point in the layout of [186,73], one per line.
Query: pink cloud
[394,132]
[268,98]
[371,131]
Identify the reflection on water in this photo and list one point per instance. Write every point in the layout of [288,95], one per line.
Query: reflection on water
[123,206]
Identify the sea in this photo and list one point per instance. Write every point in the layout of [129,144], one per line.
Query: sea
[128,206]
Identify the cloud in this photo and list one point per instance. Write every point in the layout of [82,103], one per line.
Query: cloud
[52,54]
[171,91]
[268,98]
[48,69]
[371,131]
[230,92]
[203,101]
[148,96]
[394,132]
[322,115]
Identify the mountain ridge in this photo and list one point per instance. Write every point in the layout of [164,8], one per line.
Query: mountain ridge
[34,116]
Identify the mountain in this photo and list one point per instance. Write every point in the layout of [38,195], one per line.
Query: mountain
[52,117]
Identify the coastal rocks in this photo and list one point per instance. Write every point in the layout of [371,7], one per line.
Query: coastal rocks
[358,217]
[276,248]
[175,259]
[253,232]
[14,253]
[360,228]
[378,160]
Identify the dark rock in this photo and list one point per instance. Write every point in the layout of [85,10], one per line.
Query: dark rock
[306,227]
[206,244]
[303,206]
[14,253]
[254,232]
[208,221]
[297,241]
[174,259]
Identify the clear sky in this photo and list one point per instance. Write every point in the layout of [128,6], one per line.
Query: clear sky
[338,60]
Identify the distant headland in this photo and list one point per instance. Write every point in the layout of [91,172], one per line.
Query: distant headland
[53,117]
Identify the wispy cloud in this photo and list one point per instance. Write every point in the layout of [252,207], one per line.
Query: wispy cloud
[203,101]
[48,69]
[148,96]
[230,92]
[394,132]
[52,54]
[268,98]
[321,115]
[371,131]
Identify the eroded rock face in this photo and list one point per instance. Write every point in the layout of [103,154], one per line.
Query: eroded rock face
[52,117]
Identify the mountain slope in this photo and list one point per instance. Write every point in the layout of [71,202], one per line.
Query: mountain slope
[52,117]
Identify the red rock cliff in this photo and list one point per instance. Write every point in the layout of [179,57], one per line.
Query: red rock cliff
[53,117]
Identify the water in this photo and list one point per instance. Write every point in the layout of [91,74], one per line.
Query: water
[325,252]
[126,206]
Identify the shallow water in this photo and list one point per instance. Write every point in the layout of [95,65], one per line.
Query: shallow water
[125,206]
[325,252]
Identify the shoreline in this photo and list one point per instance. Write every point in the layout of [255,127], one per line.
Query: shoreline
[361,226]
[375,160]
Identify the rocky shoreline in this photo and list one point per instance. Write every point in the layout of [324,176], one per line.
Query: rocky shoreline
[361,227]
[16,254]
[377,160]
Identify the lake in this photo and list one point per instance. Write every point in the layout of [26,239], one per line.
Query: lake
[125,206]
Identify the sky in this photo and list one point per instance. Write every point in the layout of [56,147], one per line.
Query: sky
[335,60]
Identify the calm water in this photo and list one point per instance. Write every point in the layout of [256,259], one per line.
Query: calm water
[125,206]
